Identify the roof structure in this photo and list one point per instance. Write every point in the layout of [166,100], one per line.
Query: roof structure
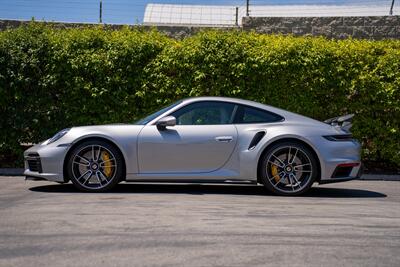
[211,15]
[164,14]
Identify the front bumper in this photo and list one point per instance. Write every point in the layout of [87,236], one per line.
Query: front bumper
[45,162]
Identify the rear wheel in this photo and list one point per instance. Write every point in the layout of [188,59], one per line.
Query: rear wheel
[95,166]
[288,168]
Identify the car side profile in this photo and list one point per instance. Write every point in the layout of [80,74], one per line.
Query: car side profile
[203,139]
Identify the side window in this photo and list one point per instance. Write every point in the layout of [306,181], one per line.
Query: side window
[205,113]
[247,114]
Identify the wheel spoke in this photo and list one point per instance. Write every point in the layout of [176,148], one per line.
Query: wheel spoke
[88,178]
[295,154]
[83,174]
[304,171]
[83,158]
[93,153]
[275,164]
[278,174]
[280,178]
[295,179]
[104,176]
[99,154]
[283,164]
[302,165]
[291,182]
[98,178]
[288,155]
[82,164]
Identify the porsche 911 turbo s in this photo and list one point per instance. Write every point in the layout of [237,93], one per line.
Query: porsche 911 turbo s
[203,139]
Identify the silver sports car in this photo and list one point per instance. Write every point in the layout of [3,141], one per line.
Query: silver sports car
[204,139]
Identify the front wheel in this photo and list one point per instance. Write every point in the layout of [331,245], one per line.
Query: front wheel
[288,169]
[95,166]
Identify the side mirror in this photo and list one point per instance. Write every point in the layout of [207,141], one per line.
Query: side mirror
[166,121]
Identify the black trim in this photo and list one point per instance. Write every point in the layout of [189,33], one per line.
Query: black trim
[64,145]
[238,108]
[256,139]
[338,180]
[176,113]
[34,163]
[240,112]
[233,116]
[34,178]
[339,137]
[342,171]
[191,181]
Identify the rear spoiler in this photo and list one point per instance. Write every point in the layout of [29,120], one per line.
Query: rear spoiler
[344,122]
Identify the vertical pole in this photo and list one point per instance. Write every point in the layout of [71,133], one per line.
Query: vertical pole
[237,17]
[101,12]
[391,8]
[247,7]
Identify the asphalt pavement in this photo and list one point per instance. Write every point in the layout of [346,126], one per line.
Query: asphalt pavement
[355,223]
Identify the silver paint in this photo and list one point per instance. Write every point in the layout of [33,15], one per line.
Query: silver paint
[209,152]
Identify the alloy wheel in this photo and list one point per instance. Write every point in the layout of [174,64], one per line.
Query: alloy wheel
[289,169]
[94,167]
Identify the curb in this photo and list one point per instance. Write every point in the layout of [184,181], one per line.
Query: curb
[380,177]
[367,177]
[11,171]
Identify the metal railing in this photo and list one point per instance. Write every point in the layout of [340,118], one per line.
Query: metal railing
[133,12]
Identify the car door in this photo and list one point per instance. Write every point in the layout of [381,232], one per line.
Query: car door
[202,140]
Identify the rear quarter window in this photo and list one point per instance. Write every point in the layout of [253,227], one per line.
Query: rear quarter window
[247,114]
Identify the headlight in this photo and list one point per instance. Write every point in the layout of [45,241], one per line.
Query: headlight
[58,135]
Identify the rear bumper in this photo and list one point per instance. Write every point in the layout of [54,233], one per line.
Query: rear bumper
[334,154]
[344,179]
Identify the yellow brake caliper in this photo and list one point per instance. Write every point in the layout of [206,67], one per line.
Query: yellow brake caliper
[107,164]
[274,171]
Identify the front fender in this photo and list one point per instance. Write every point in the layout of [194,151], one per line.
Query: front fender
[124,137]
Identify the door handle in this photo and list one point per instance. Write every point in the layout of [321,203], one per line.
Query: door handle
[225,139]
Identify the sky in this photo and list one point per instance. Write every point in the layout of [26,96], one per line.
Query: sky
[128,11]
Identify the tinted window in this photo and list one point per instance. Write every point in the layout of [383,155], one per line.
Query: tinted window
[205,113]
[154,115]
[246,114]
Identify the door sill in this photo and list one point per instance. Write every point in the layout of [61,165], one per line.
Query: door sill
[192,181]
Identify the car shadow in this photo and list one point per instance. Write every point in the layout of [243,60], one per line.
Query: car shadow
[203,189]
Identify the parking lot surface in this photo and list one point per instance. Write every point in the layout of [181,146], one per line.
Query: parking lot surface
[349,224]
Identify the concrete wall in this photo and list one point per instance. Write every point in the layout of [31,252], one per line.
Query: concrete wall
[379,27]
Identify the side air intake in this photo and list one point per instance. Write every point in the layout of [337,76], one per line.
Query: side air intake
[256,139]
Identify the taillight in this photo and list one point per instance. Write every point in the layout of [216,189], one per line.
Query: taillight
[355,164]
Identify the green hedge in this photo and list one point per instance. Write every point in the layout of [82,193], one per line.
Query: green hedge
[55,78]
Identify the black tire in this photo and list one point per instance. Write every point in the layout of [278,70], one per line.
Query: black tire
[105,180]
[289,178]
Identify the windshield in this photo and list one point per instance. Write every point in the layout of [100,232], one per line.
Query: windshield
[154,115]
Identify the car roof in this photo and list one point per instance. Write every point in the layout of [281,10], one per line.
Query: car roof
[236,101]
[289,116]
